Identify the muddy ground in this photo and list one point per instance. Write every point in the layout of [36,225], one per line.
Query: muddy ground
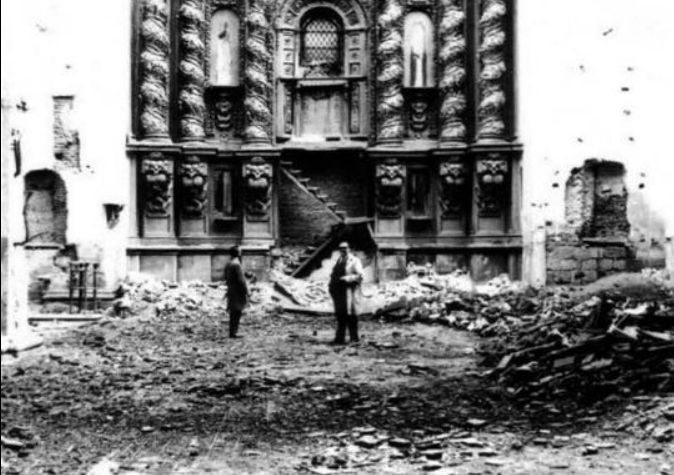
[168,392]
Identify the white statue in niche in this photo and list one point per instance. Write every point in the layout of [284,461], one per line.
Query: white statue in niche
[418,50]
[224,49]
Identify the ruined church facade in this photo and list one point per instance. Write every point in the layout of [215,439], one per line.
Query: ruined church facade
[284,123]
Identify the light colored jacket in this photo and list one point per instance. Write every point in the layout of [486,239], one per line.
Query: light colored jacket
[354,278]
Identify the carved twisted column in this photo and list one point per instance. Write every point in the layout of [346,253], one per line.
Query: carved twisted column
[390,77]
[493,68]
[258,82]
[452,56]
[192,76]
[154,69]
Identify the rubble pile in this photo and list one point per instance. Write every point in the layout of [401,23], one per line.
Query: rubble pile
[556,341]
[430,450]
[604,346]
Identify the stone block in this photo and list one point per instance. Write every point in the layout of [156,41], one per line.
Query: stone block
[589,276]
[615,252]
[194,267]
[583,253]
[589,265]
[563,252]
[605,265]
[620,264]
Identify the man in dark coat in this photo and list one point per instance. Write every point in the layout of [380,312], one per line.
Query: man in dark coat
[344,287]
[237,290]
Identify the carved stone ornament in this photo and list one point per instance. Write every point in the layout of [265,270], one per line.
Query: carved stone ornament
[492,186]
[192,76]
[257,179]
[223,113]
[452,83]
[390,74]
[493,69]
[193,188]
[418,115]
[157,180]
[258,83]
[390,184]
[154,69]
[453,185]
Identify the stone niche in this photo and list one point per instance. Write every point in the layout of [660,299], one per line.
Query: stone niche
[45,208]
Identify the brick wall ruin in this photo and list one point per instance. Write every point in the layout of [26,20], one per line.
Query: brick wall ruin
[594,243]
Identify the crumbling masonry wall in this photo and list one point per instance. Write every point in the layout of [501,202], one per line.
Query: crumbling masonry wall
[594,243]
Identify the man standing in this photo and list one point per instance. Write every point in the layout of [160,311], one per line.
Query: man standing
[344,287]
[237,290]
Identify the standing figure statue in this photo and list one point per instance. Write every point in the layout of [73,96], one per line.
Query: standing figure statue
[344,287]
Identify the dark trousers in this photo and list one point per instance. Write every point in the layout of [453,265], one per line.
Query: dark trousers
[345,320]
[234,319]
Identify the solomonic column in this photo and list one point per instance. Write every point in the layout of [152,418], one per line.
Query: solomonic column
[154,70]
[258,82]
[390,73]
[493,68]
[191,67]
[453,79]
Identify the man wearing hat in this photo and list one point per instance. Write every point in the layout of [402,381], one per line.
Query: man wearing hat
[344,287]
[237,290]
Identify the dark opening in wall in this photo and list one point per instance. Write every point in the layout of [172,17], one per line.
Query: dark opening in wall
[66,138]
[45,208]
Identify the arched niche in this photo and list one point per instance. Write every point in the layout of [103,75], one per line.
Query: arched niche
[224,49]
[45,208]
[321,96]
[419,51]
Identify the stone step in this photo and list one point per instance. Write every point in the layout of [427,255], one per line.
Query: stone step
[332,205]
[341,213]
[322,196]
[295,171]
[304,180]
[287,163]
[313,189]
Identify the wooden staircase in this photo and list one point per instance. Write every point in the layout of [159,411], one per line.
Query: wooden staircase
[312,256]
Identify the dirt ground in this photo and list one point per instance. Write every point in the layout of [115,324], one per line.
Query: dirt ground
[168,392]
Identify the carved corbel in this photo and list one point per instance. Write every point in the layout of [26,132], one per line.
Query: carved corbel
[193,179]
[453,183]
[492,186]
[389,191]
[157,179]
[257,178]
